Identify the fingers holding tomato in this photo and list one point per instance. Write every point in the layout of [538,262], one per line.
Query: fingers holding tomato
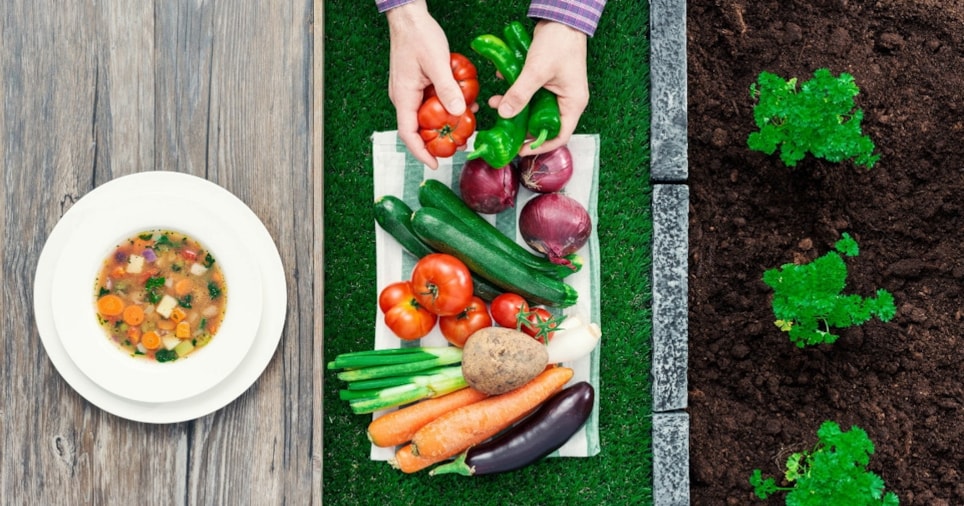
[465,74]
[443,133]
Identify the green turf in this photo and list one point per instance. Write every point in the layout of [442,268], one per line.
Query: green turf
[356,104]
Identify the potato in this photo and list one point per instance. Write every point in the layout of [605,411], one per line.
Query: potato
[496,360]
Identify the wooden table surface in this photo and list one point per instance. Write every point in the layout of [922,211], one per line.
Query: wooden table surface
[225,90]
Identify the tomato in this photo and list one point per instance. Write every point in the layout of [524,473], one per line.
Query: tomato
[506,308]
[442,284]
[541,323]
[458,328]
[442,132]
[403,314]
[465,73]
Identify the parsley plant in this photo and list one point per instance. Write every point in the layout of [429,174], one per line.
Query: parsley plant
[834,472]
[818,118]
[807,301]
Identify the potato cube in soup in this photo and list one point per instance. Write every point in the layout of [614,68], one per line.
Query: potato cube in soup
[135,264]
[166,306]
[198,269]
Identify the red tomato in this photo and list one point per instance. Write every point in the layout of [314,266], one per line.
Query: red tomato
[403,314]
[442,132]
[541,323]
[506,308]
[465,73]
[458,328]
[442,284]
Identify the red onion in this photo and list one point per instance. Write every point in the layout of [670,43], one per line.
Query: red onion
[547,172]
[486,189]
[556,225]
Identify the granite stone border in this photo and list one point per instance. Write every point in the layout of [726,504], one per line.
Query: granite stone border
[669,172]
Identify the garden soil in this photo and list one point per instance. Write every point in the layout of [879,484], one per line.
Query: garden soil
[754,397]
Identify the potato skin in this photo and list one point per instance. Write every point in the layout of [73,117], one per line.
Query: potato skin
[496,360]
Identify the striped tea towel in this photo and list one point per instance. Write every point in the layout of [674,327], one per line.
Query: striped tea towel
[398,173]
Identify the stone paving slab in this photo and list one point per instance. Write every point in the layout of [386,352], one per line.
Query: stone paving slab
[671,468]
[670,292]
[668,88]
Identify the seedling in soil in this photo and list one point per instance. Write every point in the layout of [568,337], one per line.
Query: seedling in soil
[819,118]
[834,472]
[807,299]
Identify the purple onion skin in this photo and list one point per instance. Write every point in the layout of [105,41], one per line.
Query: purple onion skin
[555,225]
[547,172]
[535,437]
[486,189]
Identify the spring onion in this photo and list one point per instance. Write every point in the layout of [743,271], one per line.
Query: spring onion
[381,379]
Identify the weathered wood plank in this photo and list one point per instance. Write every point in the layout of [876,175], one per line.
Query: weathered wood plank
[94,90]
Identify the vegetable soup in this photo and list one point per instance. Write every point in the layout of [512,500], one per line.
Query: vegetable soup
[160,295]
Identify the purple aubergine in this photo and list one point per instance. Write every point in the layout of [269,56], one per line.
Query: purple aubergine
[542,433]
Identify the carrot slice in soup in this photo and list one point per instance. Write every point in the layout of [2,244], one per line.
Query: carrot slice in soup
[133,315]
[183,287]
[151,340]
[110,305]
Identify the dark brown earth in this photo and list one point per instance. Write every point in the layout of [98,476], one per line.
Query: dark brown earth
[755,397]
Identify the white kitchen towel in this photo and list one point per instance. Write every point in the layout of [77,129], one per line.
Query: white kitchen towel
[397,172]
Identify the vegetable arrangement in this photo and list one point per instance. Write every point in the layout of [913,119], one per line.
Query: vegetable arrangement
[834,472]
[496,398]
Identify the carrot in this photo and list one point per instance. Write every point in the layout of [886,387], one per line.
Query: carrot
[183,287]
[406,461]
[151,340]
[178,315]
[118,272]
[133,315]
[453,432]
[397,427]
[110,305]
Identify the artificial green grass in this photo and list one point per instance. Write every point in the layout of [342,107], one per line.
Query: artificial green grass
[357,104]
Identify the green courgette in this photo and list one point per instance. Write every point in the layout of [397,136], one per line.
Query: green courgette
[395,217]
[445,233]
[434,193]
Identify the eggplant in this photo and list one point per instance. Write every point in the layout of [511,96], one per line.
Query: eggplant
[542,433]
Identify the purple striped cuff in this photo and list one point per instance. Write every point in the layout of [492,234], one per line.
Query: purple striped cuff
[384,5]
[583,15]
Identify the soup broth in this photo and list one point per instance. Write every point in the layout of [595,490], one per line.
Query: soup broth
[160,295]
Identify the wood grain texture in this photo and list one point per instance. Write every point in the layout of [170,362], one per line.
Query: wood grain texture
[90,91]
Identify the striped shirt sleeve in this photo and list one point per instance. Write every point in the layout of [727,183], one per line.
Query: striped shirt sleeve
[583,15]
[384,5]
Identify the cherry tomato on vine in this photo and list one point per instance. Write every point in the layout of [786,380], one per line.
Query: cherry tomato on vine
[406,318]
[442,132]
[442,284]
[541,324]
[457,328]
[465,73]
[506,307]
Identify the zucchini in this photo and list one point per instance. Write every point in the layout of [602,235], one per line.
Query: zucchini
[434,193]
[395,217]
[445,233]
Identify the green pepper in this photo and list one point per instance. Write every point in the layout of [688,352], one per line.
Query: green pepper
[544,120]
[499,145]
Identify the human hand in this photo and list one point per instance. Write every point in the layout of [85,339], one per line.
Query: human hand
[419,57]
[556,61]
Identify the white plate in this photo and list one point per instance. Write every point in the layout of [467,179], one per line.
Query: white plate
[263,254]
[101,228]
